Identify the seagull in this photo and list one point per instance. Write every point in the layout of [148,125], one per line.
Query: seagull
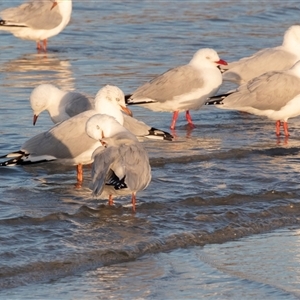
[122,166]
[37,20]
[62,105]
[67,142]
[182,88]
[275,95]
[270,59]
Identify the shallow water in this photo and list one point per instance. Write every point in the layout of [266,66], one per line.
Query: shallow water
[222,195]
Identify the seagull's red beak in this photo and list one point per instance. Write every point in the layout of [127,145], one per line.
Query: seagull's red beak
[127,110]
[35,117]
[221,62]
[53,5]
[102,141]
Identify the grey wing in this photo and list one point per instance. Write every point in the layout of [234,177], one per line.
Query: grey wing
[103,159]
[272,90]
[65,140]
[141,129]
[135,126]
[34,14]
[138,170]
[170,84]
[263,61]
[77,104]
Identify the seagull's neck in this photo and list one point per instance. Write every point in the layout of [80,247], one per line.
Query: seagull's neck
[65,8]
[108,108]
[57,102]
[291,45]
[117,134]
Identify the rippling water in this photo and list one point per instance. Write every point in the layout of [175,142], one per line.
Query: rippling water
[220,218]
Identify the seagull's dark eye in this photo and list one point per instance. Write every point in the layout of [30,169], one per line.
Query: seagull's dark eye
[98,127]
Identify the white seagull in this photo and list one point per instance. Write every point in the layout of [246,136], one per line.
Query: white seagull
[37,20]
[122,166]
[275,95]
[67,142]
[270,59]
[183,88]
[61,105]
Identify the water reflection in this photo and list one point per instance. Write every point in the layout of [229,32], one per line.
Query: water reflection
[30,70]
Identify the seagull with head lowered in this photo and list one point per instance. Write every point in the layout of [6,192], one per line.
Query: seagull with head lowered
[122,166]
[62,105]
[183,88]
[37,20]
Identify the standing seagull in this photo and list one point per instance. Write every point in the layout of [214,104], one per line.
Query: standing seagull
[62,105]
[67,142]
[122,166]
[37,20]
[275,95]
[182,88]
[270,59]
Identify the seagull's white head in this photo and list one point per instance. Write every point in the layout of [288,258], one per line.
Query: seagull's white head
[110,100]
[207,56]
[102,126]
[42,97]
[291,39]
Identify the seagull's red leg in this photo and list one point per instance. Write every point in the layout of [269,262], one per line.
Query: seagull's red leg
[133,201]
[175,117]
[38,46]
[79,176]
[45,45]
[278,128]
[286,129]
[189,119]
[110,200]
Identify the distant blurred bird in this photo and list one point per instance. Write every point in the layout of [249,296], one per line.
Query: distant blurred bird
[182,88]
[275,95]
[122,166]
[270,59]
[37,20]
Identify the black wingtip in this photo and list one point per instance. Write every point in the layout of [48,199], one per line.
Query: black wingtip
[129,101]
[127,97]
[162,134]
[214,102]
[4,23]
[15,154]
[16,160]
[117,183]
[218,99]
